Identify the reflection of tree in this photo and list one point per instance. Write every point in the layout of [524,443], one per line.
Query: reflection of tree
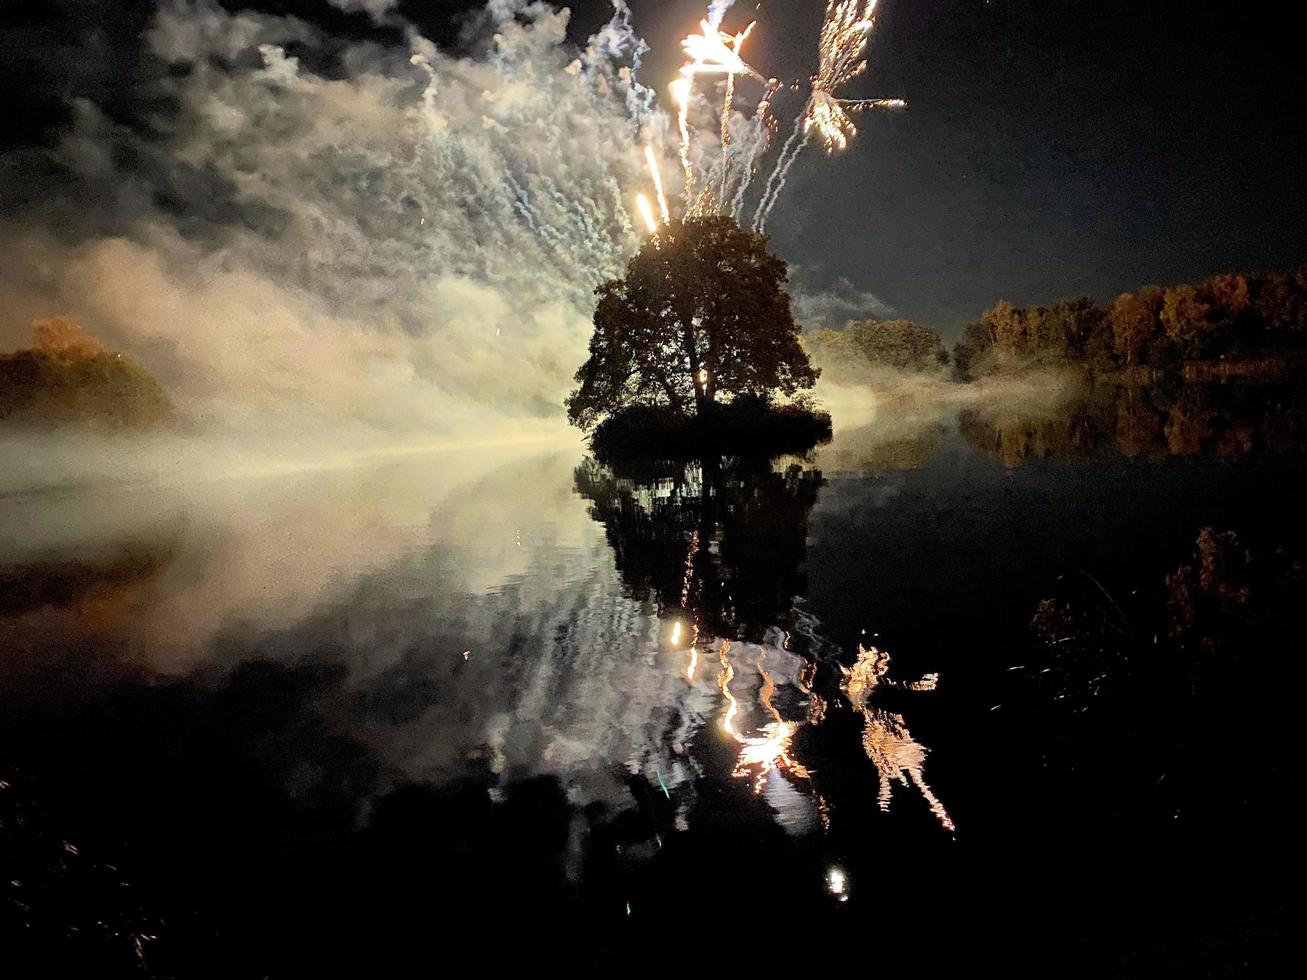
[724,539]
[1164,420]
[1013,438]
[81,581]
[722,543]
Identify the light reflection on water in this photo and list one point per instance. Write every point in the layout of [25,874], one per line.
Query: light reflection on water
[481,616]
[512,612]
[662,644]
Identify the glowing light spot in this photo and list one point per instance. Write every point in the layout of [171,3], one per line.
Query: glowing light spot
[646,212]
[680,89]
[837,883]
[657,176]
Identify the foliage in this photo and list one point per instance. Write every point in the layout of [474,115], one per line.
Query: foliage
[69,377]
[701,314]
[1226,317]
[899,344]
[833,352]
[1133,319]
[1184,317]
[970,352]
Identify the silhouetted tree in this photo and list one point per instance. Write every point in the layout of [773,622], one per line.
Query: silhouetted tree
[701,313]
[969,352]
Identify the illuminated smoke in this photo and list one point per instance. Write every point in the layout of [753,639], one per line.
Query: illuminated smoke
[380,238]
[363,238]
[717,10]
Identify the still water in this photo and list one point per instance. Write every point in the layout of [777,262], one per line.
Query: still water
[518,707]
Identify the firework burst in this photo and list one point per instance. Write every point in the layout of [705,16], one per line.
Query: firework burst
[743,141]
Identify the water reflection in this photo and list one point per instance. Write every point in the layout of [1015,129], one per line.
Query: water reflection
[719,546]
[722,539]
[1221,420]
[885,736]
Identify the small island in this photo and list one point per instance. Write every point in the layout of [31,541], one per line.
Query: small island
[696,352]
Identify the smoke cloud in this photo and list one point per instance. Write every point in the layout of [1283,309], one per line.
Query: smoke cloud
[301,230]
[836,306]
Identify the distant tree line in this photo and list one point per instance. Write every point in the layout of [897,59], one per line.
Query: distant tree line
[1226,317]
[899,344]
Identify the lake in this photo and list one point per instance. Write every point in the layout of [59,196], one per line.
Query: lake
[924,699]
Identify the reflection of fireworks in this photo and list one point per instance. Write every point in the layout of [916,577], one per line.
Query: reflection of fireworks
[768,750]
[885,736]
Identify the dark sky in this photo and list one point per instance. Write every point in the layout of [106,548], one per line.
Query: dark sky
[1052,147]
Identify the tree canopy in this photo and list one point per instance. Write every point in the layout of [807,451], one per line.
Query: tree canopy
[1225,317]
[701,314]
[67,376]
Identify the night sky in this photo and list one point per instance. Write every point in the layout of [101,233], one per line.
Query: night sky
[1052,147]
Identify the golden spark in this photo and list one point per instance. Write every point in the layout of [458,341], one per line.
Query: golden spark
[646,212]
[657,176]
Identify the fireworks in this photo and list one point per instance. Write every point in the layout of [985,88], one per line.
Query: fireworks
[646,212]
[844,36]
[843,42]
[715,53]
[657,176]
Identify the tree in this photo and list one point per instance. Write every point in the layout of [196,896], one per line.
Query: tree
[977,340]
[835,355]
[1184,315]
[1009,326]
[1074,327]
[899,344]
[1088,334]
[1281,305]
[701,313]
[1228,294]
[67,377]
[1133,319]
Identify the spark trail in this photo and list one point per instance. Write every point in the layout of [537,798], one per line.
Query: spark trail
[715,53]
[843,42]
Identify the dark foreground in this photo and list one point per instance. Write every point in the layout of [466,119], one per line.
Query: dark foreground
[534,712]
